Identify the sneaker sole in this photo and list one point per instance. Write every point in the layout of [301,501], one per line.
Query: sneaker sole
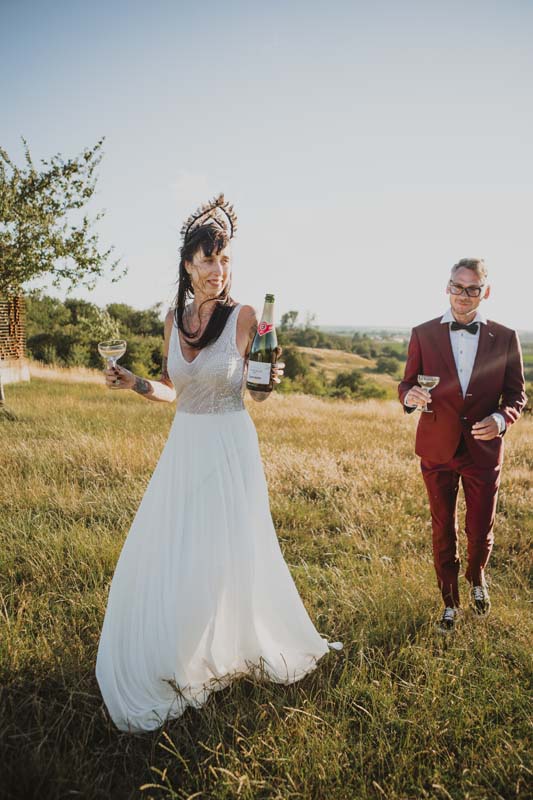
[444,631]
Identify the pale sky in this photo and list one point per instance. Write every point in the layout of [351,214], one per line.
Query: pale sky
[366,147]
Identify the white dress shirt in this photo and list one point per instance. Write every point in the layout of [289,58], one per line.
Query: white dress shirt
[464,348]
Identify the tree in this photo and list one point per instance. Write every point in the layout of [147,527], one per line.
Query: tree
[296,362]
[310,320]
[391,352]
[67,333]
[147,322]
[353,380]
[41,232]
[44,314]
[387,364]
[288,320]
[356,384]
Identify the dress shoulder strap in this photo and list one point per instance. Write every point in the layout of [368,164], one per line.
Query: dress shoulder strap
[231,325]
[235,316]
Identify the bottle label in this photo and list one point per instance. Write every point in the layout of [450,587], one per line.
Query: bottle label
[259,372]
[264,327]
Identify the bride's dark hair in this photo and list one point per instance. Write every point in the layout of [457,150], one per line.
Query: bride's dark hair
[211,239]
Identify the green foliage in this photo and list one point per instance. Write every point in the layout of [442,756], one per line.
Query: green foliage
[93,323]
[143,355]
[385,364]
[68,333]
[397,350]
[353,385]
[296,362]
[313,337]
[146,322]
[288,320]
[44,314]
[43,230]
[361,346]
[315,383]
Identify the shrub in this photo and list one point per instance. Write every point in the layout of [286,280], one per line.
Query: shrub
[387,364]
[357,385]
[296,362]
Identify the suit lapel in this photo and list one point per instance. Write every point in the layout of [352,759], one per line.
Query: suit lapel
[483,355]
[445,348]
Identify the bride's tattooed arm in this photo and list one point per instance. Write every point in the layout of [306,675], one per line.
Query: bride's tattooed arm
[163,389]
[142,386]
[165,377]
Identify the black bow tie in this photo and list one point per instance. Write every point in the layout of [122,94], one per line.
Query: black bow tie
[472,328]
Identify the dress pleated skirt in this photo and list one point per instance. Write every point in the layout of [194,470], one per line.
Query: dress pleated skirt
[201,592]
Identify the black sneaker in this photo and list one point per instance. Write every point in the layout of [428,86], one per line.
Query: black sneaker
[448,620]
[480,601]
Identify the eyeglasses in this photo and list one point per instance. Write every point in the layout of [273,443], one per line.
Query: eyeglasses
[471,291]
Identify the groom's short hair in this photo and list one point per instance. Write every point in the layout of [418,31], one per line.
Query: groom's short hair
[477,265]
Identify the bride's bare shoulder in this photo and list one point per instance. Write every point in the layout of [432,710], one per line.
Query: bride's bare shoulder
[247,316]
[170,316]
[246,327]
[169,320]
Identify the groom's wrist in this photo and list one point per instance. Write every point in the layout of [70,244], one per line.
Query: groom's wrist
[500,421]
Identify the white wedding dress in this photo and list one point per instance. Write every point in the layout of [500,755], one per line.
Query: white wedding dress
[201,591]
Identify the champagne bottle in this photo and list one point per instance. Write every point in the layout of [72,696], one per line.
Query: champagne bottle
[263,352]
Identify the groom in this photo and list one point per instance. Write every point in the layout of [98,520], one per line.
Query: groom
[480,394]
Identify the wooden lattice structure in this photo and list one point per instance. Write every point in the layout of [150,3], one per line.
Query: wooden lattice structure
[13,364]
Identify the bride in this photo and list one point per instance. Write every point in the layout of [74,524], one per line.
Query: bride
[201,592]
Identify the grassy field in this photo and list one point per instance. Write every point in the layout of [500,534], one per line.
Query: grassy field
[398,714]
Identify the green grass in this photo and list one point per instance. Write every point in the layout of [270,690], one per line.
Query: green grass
[398,714]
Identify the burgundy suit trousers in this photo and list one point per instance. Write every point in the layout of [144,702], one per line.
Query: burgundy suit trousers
[480,486]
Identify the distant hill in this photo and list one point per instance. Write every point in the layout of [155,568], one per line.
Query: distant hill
[398,334]
[373,332]
[331,362]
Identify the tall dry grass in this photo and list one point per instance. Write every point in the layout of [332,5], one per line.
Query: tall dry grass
[54,372]
[399,714]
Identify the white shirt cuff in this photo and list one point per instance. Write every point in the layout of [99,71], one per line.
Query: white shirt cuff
[500,421]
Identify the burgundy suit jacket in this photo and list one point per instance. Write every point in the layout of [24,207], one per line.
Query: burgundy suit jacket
[497,384]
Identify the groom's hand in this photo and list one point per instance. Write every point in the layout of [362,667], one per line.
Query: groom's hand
[416,396]
[486,429]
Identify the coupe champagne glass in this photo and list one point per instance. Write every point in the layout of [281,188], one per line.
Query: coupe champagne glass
[428,382]
[112,350]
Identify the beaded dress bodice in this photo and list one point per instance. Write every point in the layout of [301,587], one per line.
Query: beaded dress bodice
[214,382]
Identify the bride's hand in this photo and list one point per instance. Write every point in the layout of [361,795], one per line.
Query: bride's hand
[278,368]
[118,377]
